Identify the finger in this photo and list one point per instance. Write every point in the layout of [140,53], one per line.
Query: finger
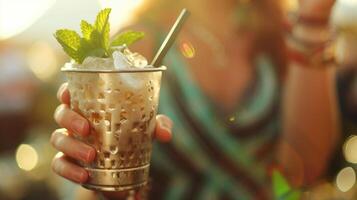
[63,167]
[71,120]
[63,94]
[72,147]
[163,130]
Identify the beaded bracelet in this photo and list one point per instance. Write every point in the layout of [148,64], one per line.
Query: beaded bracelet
[306,51]
[312,21]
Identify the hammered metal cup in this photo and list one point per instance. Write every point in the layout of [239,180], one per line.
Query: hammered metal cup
[121,107]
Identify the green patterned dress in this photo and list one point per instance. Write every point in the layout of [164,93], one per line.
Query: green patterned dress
[215,155]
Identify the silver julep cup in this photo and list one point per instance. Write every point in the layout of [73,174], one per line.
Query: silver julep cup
[121,106]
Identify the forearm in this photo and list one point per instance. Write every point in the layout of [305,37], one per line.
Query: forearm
[310,122]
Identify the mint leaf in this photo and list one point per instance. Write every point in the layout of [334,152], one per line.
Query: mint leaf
[97,53]
[103,27]
[88,49]
[281,188]
[86,29]
[291,195]
[128,38]
[70,42]
[95,40]
[280,184]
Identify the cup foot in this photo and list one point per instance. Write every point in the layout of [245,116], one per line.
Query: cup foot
[117,179]
[105,188]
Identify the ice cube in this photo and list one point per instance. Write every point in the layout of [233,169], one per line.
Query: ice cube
[97,63]
[135,59]
[120,61]
[139,61]
[88,61]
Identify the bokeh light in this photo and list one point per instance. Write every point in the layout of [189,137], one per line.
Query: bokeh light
[17,15]
[26,157]
[345,179]
[291,5]
[187,49]
[350,149]
[42,61]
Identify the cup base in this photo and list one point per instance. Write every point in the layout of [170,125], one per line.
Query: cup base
[117,179]
[104,188]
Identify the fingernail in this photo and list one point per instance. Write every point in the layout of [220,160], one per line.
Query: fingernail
[78,126]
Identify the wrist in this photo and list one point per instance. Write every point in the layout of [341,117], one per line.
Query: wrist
[314,21]
[309,42]
[312,36]
[316,10]
[308,20]
[318,58]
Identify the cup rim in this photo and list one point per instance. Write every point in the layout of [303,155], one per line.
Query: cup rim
[135,70]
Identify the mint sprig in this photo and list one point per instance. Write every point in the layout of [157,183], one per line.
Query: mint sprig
[86,29]
[127,38]
[95,40]
[281,188]
[71,43]
[102,26]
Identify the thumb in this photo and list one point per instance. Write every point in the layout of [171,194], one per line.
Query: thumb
[163,131]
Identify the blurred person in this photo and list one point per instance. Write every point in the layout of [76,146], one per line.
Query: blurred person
[17,91]
[240,104]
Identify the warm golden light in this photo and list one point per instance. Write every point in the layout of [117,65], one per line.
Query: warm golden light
[26,157]
[350,149]
[348,1]
[42,61]
[291,5]
[122,11]
[345,179]
[18,15]
[187,49]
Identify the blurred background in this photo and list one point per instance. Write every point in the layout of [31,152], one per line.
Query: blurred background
[30,61]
